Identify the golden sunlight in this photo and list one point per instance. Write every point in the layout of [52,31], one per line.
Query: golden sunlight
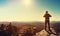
[27,3]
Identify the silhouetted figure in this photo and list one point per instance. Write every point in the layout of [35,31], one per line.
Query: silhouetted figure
[2,30]
[2,27]
[47,20]
[9,30]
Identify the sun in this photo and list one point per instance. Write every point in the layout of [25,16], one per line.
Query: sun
[27,2]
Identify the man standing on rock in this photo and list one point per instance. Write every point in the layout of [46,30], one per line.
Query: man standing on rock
[47,20]
[47,23]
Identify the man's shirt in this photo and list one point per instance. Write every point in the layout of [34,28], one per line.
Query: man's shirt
[47,16]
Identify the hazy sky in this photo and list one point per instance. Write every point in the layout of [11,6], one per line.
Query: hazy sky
[28,10]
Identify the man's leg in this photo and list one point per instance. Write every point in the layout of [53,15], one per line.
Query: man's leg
[49,26]
[45,25]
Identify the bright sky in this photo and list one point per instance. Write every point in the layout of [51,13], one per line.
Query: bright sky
[28,10]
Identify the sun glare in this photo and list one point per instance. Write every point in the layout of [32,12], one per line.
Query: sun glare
[27,3]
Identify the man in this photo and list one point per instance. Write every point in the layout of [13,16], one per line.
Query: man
[47,20]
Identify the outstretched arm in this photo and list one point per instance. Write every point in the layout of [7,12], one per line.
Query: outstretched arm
[44,15]
[50,15]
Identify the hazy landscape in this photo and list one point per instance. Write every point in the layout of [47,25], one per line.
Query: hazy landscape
[35,27]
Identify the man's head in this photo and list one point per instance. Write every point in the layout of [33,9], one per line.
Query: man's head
[46,12]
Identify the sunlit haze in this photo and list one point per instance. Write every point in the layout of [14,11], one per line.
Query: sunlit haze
[28,10]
